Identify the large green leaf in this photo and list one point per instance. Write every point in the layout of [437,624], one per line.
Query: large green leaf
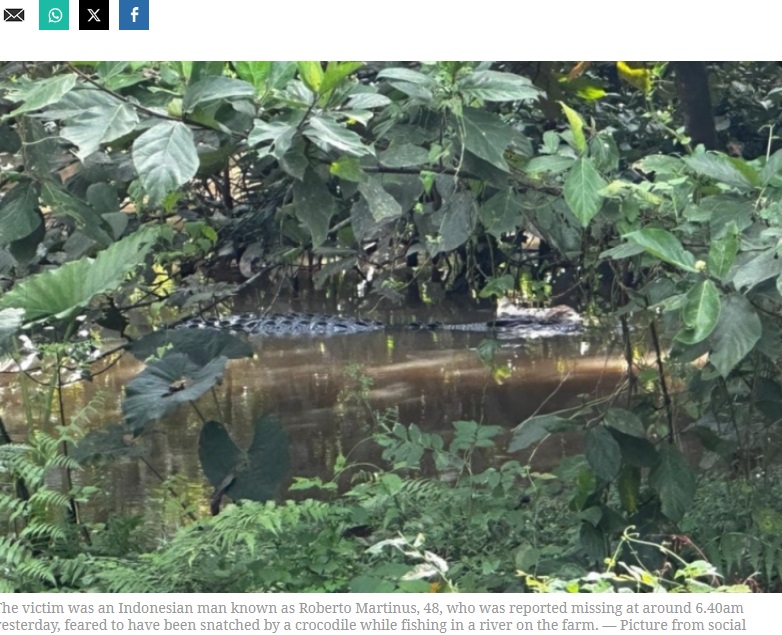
[457,220]
[41,93]
[165,157]
[200,345]
[407,75]
[502,213]
[762,267]
[582,190]
[552,164]
[700,313]
[214,88]
[674,481]
[315,206]
[336,72]
[330,135]
[737,332]
[100,124]
[165,384]
[723,250]
[536,429]
[625,422]
[279,133]
[663,245]
[62,291]
[487,136]
[255,474]
[496,86]
[382,205]
[63,203]
[724,170]
[603,453]
[772,168]
[19,215]
[404,155]
[256,73]
[636,451]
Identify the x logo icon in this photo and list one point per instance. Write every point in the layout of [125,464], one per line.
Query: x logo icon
[93,15]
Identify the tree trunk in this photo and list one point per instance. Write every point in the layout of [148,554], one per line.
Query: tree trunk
[692,84]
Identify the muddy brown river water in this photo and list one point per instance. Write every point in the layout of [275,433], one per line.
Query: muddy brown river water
[432,378]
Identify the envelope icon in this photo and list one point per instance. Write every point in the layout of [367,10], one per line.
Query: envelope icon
[13,15]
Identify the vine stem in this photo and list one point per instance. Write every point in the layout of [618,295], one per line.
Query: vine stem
[663,384]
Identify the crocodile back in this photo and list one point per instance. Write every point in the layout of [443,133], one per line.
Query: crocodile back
[285,324]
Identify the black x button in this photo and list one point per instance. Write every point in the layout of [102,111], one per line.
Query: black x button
[93,15]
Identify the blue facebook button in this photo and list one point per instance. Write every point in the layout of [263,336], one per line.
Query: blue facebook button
[134,15]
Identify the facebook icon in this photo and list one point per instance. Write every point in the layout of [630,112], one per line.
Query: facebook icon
[134,15]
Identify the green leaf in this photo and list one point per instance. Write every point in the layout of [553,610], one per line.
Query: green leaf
[604,152]
[336,72]
[762,267]
[63,203]
[721,169]
[701,313]
[165,384]
[457,220]
[255,474]
[536,429]
[100,124]
[665,246]
[674,481]
[625,421]
[603,453]
[487,136]
[279,133]
[502,213]
[60,292]
[349,169]
[723,251]
[408,76]
[367,101]
[165,158]
[329,135]
[19,215]
[212,89]
[496,86]
[314,206]
[312,75]
[404,155]
[552,164]
[576,127]
[382,205]
[736,334]
[256,73]
[582,190]
[636,451]
[772,168]
[40,93]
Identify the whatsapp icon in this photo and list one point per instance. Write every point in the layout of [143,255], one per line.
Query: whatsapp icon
[53,15]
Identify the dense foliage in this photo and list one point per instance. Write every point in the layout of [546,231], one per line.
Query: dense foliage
[130,186]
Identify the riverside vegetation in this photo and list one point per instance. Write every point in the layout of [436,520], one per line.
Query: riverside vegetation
[648,195]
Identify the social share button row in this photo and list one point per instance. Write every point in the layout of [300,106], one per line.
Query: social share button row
[94,15]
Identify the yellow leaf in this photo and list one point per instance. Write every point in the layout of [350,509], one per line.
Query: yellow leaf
[640,78]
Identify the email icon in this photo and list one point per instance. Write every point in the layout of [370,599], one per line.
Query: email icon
[13,15]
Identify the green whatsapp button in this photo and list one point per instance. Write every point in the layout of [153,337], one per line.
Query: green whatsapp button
[53,15]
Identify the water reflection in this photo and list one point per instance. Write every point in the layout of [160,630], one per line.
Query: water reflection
[432,378]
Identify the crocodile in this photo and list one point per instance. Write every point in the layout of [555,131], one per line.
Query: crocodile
[522,322]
